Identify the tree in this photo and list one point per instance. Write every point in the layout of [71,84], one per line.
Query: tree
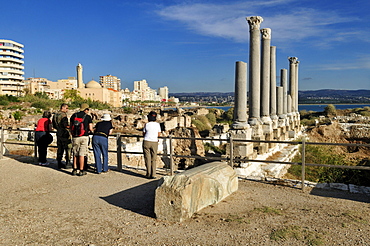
[42,95]
[330,110]
[73,95]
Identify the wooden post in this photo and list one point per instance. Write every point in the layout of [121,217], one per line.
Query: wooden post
[119,152]
[171,157]
[35,145]
[2,143]
[231,162]
[303,161]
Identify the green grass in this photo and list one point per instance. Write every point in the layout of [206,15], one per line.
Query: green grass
[298,233]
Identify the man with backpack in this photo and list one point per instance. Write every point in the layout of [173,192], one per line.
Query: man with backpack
[80,126]
[64,142]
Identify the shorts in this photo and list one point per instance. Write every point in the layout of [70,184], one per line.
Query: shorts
[80,146]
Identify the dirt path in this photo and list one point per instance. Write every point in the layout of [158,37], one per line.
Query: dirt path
[44,206]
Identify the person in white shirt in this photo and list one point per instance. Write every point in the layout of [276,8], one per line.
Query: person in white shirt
[151,131]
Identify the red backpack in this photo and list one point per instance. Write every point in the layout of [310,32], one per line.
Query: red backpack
[78,127]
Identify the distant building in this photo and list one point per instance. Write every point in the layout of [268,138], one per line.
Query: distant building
[11,68]
[64,84]
[94,91]
[163,93]
[110,81]
[43,85]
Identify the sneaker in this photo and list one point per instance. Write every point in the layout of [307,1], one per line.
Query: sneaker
[44,163]
[82,173]
[74,172]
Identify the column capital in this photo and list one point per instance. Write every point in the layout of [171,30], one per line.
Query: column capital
[266,33]
[254,22]
[293,60]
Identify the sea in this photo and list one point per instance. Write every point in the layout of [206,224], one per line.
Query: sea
[308,107]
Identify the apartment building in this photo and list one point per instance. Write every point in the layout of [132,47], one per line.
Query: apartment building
[110,81]
[163,93]
[11,68]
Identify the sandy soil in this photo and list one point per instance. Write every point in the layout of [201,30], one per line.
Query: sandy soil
[44,206]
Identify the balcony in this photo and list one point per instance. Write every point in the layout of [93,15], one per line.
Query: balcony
[9,59]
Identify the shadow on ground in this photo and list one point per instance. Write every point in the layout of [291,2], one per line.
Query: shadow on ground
[139,199]
[340,194]
[333,193]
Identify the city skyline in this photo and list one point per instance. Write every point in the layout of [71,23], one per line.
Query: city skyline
[190,46]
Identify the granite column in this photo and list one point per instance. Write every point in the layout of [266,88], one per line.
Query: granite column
[240,109]
[254,69]
[265,75]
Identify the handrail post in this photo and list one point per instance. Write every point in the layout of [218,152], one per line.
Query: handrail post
[171,156]
[231,162]
[303,161]
[119,152]
[34,145]
[2,143]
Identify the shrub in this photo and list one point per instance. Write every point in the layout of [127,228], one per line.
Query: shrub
[330,110]
[325,155]
[4,102]
[127,110]
[199,125]
[211,118]
[40,104]
[17,115]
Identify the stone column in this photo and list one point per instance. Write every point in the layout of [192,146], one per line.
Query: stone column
[80,83]
[280,101]
[284,84]
[254,69]
[292,83]
[265,75]
[240,109]
[296,83]
[240,127]
[280,129]
[289,105]
[273,90]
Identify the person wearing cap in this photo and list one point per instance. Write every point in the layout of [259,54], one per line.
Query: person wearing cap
[80,143]
[102,130]
[151,132]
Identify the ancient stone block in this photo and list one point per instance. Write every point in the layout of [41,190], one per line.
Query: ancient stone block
[179,196]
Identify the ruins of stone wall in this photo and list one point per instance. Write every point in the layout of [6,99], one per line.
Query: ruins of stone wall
[179,196]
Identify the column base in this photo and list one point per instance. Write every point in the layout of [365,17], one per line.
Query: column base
[240,125]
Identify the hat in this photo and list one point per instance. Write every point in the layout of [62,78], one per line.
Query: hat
[84,106]
[106,117]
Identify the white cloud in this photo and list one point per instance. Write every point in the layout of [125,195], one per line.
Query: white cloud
[361,62]
[228,20]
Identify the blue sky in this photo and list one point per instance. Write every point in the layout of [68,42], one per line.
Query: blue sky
[190,46]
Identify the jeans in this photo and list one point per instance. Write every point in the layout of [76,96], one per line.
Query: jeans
[42,145]
[100,147]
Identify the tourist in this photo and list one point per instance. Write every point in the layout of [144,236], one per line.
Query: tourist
[64,141]
[80,126]
[43,137]
[100,143]
[151,132]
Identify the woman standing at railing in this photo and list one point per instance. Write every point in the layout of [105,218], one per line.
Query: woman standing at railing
[151,131]
[100,143]
[43,137]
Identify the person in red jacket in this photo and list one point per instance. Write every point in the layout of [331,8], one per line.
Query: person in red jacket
[43,137]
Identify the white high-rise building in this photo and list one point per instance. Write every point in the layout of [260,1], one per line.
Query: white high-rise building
[11,68]
[163,93]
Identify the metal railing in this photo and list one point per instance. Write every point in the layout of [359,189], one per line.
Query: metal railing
[230,158]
